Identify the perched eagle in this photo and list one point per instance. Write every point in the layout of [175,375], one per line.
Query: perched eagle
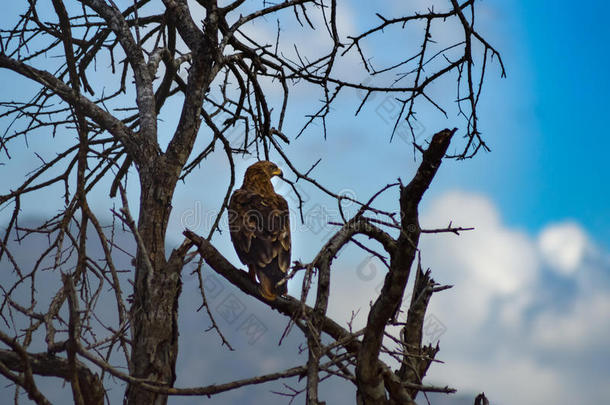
[260,228]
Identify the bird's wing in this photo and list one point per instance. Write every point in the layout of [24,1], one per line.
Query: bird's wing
[241,227]
[283,233]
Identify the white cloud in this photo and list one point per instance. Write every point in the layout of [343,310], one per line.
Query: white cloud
[489,262]
[511,330]
[583,326]
[563,247]
[505,379]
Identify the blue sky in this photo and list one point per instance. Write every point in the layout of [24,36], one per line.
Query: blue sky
[582,135]
[529,316]
[564,47]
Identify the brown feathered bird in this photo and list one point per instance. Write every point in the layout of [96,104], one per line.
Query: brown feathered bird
[260,228]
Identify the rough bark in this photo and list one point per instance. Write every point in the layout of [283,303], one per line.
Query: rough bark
[49,365]
[371,388]
[157,287]
[157,282]
[417,358]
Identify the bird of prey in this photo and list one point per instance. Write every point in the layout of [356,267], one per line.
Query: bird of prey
[260,228]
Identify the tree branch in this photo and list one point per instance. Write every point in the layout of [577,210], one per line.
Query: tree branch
[371,389]
[145,95]
[105,120]
[49,365]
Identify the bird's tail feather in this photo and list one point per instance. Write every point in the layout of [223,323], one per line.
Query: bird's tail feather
[269,277]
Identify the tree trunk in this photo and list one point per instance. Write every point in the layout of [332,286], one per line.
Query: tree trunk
[154,312]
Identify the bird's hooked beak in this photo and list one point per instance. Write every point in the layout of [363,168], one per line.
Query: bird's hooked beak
[277,172]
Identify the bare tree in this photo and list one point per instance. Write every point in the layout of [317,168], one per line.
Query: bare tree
[222,76]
